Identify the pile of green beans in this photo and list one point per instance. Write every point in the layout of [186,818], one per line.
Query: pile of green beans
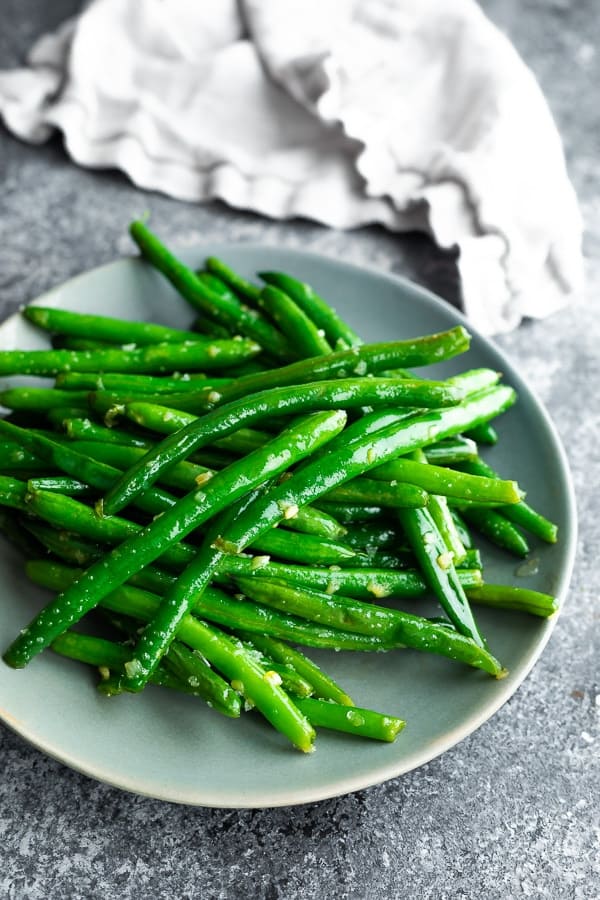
[205,502]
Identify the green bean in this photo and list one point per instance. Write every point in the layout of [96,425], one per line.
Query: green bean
[250,367]
[156,358]
[363,583]
[83,429]
[484,433]
[522,599]
[226,654]
[462,530]
[387,494]
[384,559]
[205,326]
[310,520]
[218,607]
[32,398]
[305,485]
[69,514]
[492,525]
[218,268]
[370,359]
[521,513]
[474,380]
[474,384]
[351,719]
[138,384]
[436,562]
[425,394]
[224,310]
[350,514]
[393,627]
[441,515]
[418,431]
[104,328]
[370,537]
[452,450]
[64,342]
[58,415]
[243,441]
[13,492]
[471,560]
[187,476]
[80,429]
[60,484]
[309,550]
[301,331]
[323,686]
[217,285]
[448,483]
[174,524]
[321,313]
[151,416]
[337,611]
[15,457]
[95,651]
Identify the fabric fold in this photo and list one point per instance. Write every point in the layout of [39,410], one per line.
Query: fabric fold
[408,113]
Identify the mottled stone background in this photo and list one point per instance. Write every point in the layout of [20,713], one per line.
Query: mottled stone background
[513,810]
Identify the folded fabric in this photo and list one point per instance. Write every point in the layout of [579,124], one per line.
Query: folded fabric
[415,114]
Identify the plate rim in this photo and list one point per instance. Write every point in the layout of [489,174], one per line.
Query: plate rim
[453,736]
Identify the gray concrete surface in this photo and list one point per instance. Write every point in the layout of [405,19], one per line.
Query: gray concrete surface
[512,811]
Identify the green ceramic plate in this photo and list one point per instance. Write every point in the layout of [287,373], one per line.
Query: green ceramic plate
[173,748]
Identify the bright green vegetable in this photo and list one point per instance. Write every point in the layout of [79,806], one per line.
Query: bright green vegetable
[174,524]
[324,687]
[417,431]
[218,268]
[138,384]
[315,307]
[226,654]
[350,719]
[522,599]
[226,311]
[497,529]
[301,332]
[156,359]
[521,514]
[306,485]
[104,328]
[438,567]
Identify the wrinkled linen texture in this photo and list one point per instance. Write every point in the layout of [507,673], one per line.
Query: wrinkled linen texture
[414,114]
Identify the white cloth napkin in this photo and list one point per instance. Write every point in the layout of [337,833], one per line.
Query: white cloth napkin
[410,113]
